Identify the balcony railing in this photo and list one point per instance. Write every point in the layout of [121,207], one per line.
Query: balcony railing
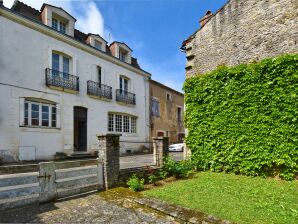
[125,97]
[62,79]
[100,90]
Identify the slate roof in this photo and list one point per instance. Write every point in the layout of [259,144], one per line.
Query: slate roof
[34,14]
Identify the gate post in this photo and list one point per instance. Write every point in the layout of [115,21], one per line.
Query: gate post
[109,144]
[160,149]
[47,181]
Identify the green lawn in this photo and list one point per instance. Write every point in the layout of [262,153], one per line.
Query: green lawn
[235,198]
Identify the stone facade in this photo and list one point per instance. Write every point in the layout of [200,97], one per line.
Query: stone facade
[243,31]
[165,120]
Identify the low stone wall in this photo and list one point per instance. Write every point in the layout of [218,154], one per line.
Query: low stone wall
[143,172]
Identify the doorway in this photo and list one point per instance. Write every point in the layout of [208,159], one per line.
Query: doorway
[80,129]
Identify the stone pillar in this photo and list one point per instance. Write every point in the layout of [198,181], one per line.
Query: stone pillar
[186,152]
[109,144]
[47,181]
[160,149]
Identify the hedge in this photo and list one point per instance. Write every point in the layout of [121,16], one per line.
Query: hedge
[244,119]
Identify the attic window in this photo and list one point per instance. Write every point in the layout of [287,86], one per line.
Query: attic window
[97,45]
[58,25]
[122,55]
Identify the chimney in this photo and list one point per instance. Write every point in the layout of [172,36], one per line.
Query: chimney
[1,2]
[206,18]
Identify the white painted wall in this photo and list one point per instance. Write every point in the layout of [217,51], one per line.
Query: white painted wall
[24,56]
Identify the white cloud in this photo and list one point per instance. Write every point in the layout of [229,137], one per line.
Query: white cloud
[91,21]
[89,17]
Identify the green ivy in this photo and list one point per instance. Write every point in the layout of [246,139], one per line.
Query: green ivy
[244,119]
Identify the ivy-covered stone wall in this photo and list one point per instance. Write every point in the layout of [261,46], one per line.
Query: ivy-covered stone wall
[244,119]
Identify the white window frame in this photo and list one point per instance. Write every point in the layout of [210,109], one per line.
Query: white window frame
[60,25]
[41,103]
[132,123]
[98,44]
[61,63]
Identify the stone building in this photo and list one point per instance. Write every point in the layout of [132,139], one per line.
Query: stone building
[59,87]
[242,31]
[167,106]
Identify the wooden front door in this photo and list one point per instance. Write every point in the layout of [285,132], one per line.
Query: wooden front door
[80,129]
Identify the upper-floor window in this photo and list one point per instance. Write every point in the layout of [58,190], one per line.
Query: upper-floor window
[97,45]
[58,25]
[40,114]
[123,84]
[179,114]
[169,97]
[122,55]
[155,108]
[60,63]
[98,70]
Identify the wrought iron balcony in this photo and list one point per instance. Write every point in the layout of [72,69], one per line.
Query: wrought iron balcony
[99,90]
[125,97]
[62,80]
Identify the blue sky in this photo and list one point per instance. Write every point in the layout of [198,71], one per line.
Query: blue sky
[154,29]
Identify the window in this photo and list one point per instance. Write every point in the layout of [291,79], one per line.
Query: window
[55,24]
[118,122]
[125,123]
[62,27]
[58,25]
[122,55]
[179,114]
[60,63]
[122,123]
[40,114]
[98,74]
[97,45]
[110,122]
[169,97]
[123,84]
[155,108]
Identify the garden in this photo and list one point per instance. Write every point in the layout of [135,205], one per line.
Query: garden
[242,131]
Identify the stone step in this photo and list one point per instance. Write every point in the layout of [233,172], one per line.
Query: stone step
[18,201]
[19,190]
[75,190]
[18,179]
[77,171]
[77,181]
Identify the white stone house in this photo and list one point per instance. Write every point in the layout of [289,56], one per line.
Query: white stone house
[59,87]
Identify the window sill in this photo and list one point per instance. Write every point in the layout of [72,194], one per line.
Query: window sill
[40,127]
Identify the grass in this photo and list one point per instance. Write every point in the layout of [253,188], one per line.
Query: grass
[235,198]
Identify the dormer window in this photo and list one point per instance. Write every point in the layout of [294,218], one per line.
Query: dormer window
[58,19]
[98,45]
[58,25]
[122,55]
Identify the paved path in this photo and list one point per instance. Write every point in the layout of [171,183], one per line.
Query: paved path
[94,208]
[118,205]
[142,160]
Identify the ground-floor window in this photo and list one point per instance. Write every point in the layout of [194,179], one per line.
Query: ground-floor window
[122,123]
[40,114]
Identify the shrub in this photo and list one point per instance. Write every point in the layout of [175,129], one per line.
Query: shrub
[153,179]
[244,119]
[179,169]
[135,183]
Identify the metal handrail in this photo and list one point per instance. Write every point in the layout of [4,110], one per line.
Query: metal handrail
[61,79]
[98,89]
[125,97]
